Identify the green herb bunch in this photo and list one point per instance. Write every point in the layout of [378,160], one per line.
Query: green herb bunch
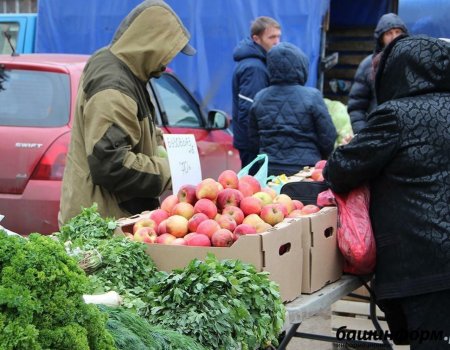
[86,225]
[222,304]
[41,304]
[125,268]
[131,331]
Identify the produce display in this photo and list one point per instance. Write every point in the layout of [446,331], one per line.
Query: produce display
[41,302]
[131,332]
[222,304]
[217,212]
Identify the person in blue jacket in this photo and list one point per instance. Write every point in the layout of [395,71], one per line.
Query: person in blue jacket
[289,121]
[249,77]
[361,99]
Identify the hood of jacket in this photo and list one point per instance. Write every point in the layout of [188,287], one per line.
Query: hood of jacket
[286,63]
[247,48]
[387,22]
[149,38]
[411,66]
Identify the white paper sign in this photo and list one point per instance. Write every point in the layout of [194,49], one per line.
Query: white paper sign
[183,160]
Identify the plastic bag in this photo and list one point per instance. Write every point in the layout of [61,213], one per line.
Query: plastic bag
[261,174]
[354,232]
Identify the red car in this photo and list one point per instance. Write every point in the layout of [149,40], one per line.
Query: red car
[37,100]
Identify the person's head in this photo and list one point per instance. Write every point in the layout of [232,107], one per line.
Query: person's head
[266,32]
[149,37]
[388,28]
[286,63]
[412,66]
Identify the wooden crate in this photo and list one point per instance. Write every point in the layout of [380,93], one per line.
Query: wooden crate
[355,315]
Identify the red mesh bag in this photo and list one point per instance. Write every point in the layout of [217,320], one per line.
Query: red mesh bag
[354,232]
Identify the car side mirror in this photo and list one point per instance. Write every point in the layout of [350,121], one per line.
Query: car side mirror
[217,120]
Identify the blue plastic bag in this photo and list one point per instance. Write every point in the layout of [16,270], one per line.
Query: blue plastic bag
[261,174]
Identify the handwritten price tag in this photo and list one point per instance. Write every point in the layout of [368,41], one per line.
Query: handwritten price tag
[183,160]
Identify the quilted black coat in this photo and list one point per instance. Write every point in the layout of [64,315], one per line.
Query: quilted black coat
[289,121]
[404,154]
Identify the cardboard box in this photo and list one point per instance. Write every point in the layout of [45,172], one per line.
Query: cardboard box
[322,259]
[262,250]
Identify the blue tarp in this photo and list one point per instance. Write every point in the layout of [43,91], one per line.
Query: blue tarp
[426,17]
[216,27]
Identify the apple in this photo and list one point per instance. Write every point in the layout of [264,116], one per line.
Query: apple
[198,239]
[270,191]
[222,238]
[286,200]
[177,225]
[256,187]
[263,227]
[251,205]
[253,220]
[205,206]
[189,236]
[162,227]
[320,164]
[229,196]
[208,227]
[265,197]
[317,175]
[228,179]
[145,235]
[169,202]
[144,222]
[158,215]
[179,241]
[310,209]
[243,229]
[245,188]
[298,204]
[208,189]
[226,221]
[296,213]
[195,220]
[235,212]
[272,214]
[186,193]
[184,209]
[165,238]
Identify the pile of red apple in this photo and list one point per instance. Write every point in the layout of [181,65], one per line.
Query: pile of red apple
[217,213]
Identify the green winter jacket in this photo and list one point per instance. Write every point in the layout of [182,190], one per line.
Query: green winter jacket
[112,155]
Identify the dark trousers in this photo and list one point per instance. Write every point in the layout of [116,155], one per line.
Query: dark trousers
[423,321]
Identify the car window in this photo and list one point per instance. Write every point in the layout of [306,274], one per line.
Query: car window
[176,103]
[34,98]
[12,30]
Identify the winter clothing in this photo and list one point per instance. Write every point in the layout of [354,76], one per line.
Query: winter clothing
[249,77]
[289,121]
[404,154]
[362,94]
[112,158]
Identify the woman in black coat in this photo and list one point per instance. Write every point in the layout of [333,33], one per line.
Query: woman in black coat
[404,155]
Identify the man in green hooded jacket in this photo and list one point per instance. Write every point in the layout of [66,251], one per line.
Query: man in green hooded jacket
[112,158]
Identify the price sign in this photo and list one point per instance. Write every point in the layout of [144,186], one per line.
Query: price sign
[183,160]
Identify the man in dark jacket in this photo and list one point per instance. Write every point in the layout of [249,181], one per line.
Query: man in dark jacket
[362,95]
[289,121]
[404,155]
[249,77]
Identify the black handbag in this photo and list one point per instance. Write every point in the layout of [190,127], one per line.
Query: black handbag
[304,191]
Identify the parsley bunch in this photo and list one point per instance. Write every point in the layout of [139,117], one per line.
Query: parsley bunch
[221,304]
[41,304]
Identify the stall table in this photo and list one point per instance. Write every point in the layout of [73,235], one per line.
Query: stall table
[307,305]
